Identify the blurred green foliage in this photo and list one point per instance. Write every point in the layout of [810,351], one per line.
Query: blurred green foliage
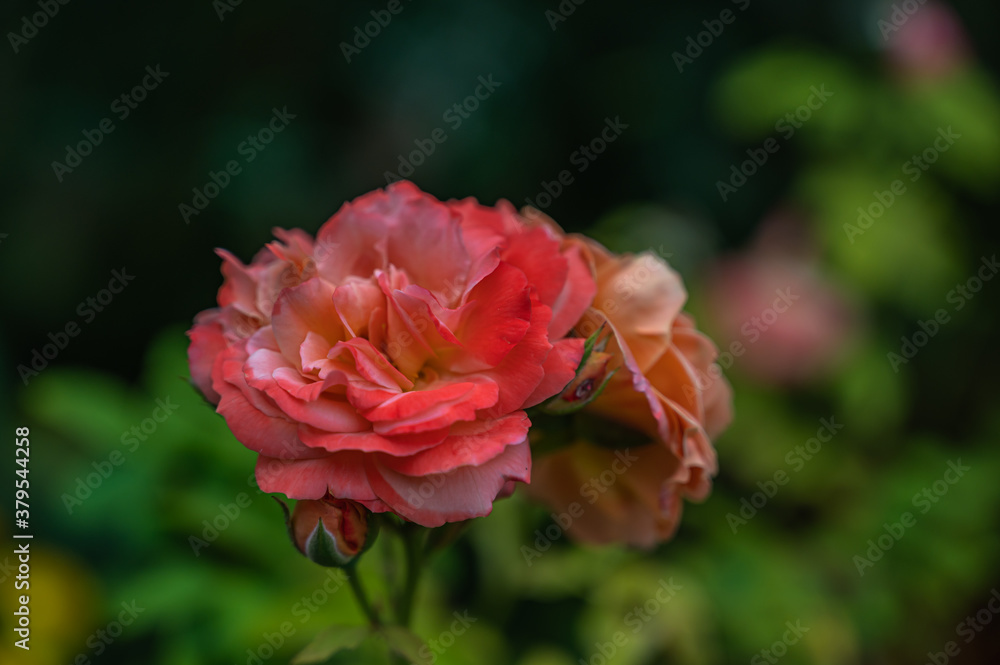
[131,538]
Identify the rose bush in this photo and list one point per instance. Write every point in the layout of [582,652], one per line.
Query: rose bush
[389,361]
[644,443]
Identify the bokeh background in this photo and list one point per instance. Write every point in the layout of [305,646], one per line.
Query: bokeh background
[893,78]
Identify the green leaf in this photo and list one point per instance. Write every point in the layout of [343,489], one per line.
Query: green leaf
[330,641]
[403,642]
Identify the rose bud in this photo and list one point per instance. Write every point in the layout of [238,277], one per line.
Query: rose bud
[590,379]
[332,532]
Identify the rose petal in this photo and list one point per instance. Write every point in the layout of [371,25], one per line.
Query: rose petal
[472,443]
[302,309]
[463,493]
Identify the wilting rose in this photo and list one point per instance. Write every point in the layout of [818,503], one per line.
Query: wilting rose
[644,443]
[331,532]
[390,361]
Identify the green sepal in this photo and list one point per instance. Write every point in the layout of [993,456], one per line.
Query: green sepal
[556,408]
[321,548]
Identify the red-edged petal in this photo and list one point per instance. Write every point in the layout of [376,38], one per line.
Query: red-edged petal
[371,365]
[535,252]
[433,407]
[341,474]
[560,368]
[321,411]
[255,420]
[207,343]
[500,315]
[463,493]
[523,368]
[371,442]
[468,444]
[576,296]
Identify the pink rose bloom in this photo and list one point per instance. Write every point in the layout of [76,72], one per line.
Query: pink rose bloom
[390,361]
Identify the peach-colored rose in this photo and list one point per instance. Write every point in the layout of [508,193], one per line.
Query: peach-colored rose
[390,361]
[644,443]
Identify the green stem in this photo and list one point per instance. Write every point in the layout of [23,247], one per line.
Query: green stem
[359,593]
[413,547]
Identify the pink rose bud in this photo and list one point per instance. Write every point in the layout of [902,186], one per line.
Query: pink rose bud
[332,532]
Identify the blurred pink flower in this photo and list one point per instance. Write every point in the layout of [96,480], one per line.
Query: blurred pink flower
[781,318]
[930,43]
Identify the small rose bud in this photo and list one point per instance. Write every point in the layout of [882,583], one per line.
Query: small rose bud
[332,532]
[590,378]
